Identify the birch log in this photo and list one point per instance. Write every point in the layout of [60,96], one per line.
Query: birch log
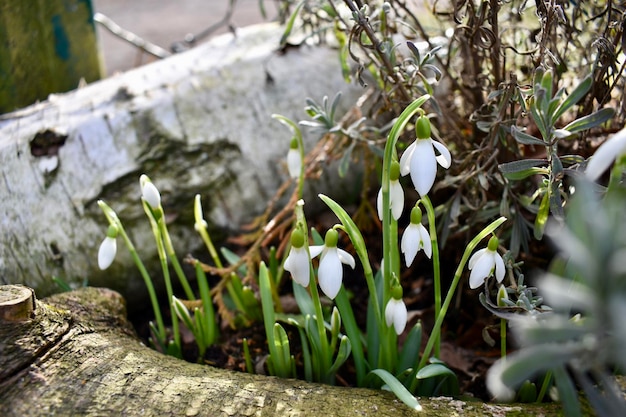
[198,122]
[78,356]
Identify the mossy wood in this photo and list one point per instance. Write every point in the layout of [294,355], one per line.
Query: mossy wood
[197,123]
[46,46]
[79,356]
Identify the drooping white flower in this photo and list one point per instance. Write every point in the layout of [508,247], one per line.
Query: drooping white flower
[330,272]
[149,192]
[294,161]
[419,158]
[604,156]
[108,249]
[298,262]
[415,237]
[396,314]
[396,194]
[484,262]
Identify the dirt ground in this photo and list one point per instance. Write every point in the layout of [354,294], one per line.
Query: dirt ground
[164,22]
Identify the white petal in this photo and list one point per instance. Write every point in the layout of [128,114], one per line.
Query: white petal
[294,163]
[330,273]
[346,258]
[475,257]
[400,317]
[396,314]
[423,166]
[482,269]
[379,204]
[405,159]
[389,312]
[150,193]
[297,263]
[409,245]
[106,253]
[316,250]
[425,239]
[444,158]
[606,154]
[396,197]
[500,269]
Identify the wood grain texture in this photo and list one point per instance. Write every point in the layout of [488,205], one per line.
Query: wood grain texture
[80,357]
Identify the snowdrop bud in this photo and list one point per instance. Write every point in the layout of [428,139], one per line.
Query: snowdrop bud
[149,192]
[503,296]
[422,127]
[396,312]
[294,161]
[108,248]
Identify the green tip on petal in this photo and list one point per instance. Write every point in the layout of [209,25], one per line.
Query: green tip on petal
[112,231]
[422,127]
[394,171]
[294,143]
[297,238]
[493,244]
[331,238]
[416,215]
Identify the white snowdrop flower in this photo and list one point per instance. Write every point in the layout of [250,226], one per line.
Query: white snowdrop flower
[396,193]
[108,249]
[294,161]
[298,262]
[330,272]
[604,156]
[484,262]
[415,237]
[149,192]
[396,313]
[419,158]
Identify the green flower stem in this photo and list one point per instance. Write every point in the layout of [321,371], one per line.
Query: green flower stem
[325,361]
[207,305]
[446,303]
[201,228]
[158,237]
[169,248]
[115,221]
[390,244]
[432,229]
[390,152]
[359,246]
[298,134]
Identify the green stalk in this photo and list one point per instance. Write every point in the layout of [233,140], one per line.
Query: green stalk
[446,303]
[169,248]
[158,237]
[432,229]
[115,221]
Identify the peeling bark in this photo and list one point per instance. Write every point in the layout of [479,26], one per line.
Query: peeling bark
[79,356]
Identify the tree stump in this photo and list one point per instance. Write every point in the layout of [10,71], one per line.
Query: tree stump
[79,356]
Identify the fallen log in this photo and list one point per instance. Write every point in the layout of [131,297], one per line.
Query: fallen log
[79,356]
[197,123]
